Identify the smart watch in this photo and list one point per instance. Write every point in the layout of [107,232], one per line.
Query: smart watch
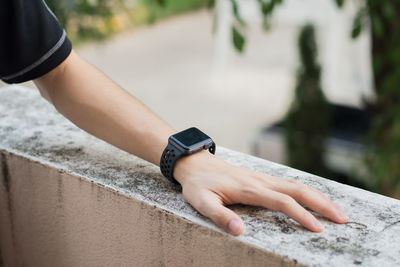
[182,144]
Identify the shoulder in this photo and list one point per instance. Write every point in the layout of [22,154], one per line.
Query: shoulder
[33,42]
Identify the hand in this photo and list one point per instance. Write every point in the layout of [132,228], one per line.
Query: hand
[209,183]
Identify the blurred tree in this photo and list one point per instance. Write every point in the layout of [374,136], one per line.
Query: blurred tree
[97,19]
[88,19]
[158,9]
[85,19]
[267,7]
[304,130]
[383,19]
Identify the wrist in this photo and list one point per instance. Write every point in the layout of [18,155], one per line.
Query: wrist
[184,144]
[187,166]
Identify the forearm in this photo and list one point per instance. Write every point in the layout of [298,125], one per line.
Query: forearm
[96,104]
[99,106]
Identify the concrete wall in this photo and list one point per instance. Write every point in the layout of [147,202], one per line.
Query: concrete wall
[68,199]
[52,218]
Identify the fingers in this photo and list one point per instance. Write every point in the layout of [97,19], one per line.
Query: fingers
[313,199]
[280,202]
[256,189]
[209,204]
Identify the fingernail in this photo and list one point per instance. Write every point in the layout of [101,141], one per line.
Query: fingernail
[340,212]
[342,215]
[234,226]
[318,225]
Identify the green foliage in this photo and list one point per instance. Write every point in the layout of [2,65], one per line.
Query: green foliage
[305,131]
[235,9]
[97,19]
[237,28]
[267,8]
[158,9]
[339,2]
[238,39]
[384,164]
[359,22]
[384,136]
[84,19]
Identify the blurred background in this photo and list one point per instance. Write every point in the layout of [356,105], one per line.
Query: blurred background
[314,84]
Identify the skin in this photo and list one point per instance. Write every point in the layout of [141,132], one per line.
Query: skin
[99,106]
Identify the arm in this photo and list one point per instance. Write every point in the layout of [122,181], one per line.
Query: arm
[96,104]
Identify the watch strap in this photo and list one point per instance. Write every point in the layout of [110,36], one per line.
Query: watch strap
[170,155]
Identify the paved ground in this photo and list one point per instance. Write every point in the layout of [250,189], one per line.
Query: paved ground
[172,68]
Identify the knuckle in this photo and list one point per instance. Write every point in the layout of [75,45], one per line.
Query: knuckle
[303,193]
[258,177]
[201,205]
[218,216]
[327,208]
[323,195]
[220,219]
[295,182]
[284,202]
[214,213]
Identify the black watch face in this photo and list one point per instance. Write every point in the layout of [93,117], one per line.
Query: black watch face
[191,139]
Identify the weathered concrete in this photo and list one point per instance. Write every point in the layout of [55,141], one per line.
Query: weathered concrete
[70,199]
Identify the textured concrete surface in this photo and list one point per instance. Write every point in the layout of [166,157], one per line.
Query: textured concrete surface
[52,218]
[43,151]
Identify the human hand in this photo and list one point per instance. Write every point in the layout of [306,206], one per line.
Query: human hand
[209,184]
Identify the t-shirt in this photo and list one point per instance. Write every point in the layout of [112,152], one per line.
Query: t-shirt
[32,41]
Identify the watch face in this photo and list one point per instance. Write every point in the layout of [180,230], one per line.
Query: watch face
[191,138]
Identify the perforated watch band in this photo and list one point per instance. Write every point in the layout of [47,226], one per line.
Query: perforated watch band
[169,157]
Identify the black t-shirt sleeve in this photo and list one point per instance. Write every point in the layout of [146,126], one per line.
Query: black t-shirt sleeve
[32,41]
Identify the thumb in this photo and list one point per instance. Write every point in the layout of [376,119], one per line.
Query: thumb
[210,205]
